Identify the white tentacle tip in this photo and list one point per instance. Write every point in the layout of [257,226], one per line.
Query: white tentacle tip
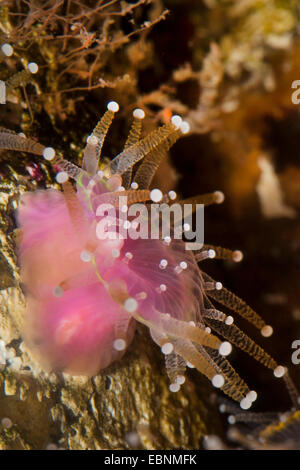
[7,49]
[92,140]
[185,127]
[138,113]
[252,395]
[279,371]
[266,331]
[113,106]
[119,344]
[245,403]
[130,305]
[176,121]
[218,381]
[86,256]
[222,408]
[48,153]
[6,423]
[115,253]
[231,419]
[33,67]
[62,177]
[174,387]
[167,348]
[219,197]
[172,195]
[180,379]
[225,348]
[237,256]
[57,291]
[190,365]
[156,195]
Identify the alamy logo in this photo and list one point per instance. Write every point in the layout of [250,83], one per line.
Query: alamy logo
[296,354]
[296,93]
[157,221]
[2,92]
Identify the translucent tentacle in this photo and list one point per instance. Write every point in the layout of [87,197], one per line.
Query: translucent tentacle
[134,133]
[95,142]
[189,353]
[215,314]
[12,141]
[75,210]
[292,390]
[132,155]
[205,199]
[247,417]
[158,337]
[151,162]
[181,329]
[232,301]
[132,139]
[121,327]
[281,431]
[126,178]
[218,252]
[234,386]
[9,140]
[233,334]
[133,197]
[175,366]
[189,205]
[73,171]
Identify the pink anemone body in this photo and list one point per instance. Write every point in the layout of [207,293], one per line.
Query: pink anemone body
[75,307]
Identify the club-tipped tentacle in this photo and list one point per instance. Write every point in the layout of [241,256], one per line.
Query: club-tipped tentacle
[11,141]
[218,252]
[145,173]
[121,331]
[132,139]
[187,350]
[175,365]
[136,128]
[215,314]
[233,334]
[133,197]
[218,371]
[174,328]
[126,159]
[190,206]
[73,171]
[232,301]
[95,141]
[234,385]
[75,210]
[217,197]
[292,390]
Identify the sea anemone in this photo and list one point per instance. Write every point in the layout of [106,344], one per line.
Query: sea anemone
[87,284]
